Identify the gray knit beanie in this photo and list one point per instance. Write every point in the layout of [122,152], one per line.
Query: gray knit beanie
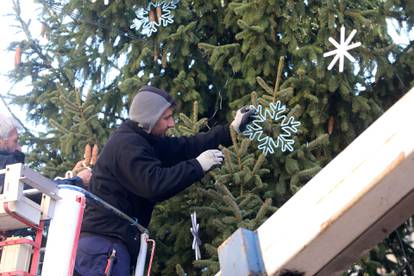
[148,106]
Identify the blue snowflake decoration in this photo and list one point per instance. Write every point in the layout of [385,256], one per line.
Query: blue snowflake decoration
[142,22]
[288,126]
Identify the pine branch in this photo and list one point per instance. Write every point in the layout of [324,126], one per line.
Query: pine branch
[224,190]
[180,271]
[278,76]
[262,211]
[227,160]
[258,163]
[234,207]
[233,136]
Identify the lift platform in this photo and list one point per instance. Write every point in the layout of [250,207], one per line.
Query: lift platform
[28,201]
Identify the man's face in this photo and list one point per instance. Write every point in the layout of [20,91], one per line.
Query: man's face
[11,144]
[165,122]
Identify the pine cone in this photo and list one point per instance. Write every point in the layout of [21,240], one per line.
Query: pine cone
[331,123]
[88,155]
[156,53]
[43,29]
[164,58]
[159,14]
[151,16]
[95,152]
[18,56]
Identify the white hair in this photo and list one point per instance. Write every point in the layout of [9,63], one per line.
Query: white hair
[7,124]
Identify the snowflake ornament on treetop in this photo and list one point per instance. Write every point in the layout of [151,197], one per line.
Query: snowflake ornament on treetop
[155,15]
[288,126]
[342,49]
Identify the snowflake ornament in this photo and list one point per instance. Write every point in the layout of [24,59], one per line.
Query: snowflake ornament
[342,49]
[142,22]
[196,239]
[106,2]
[288,126]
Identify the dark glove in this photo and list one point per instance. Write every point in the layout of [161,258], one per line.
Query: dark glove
[243,116]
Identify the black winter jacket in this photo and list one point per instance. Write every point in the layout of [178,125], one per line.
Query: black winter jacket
[135,170]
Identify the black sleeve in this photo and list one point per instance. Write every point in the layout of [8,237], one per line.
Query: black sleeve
[175,149]
[142,173]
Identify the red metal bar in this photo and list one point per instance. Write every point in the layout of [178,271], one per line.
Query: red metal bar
[37,245]
[152,255]
[82,202]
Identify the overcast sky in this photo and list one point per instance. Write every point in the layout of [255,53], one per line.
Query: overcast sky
[29,11]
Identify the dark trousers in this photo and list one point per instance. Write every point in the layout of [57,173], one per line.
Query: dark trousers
[93,254]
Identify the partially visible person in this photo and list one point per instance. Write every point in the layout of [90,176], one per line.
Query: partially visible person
[10,149]
[11,152]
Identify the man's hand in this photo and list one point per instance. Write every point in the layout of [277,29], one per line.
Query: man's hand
[210,158]
[81,170]
[80,166]
[85,175]
[243,116]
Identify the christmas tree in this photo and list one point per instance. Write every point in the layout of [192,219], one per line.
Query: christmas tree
[215,57]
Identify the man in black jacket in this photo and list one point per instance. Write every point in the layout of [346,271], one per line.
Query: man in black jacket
[138,167]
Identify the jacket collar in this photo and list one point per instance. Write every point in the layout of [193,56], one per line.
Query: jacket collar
[129,124]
